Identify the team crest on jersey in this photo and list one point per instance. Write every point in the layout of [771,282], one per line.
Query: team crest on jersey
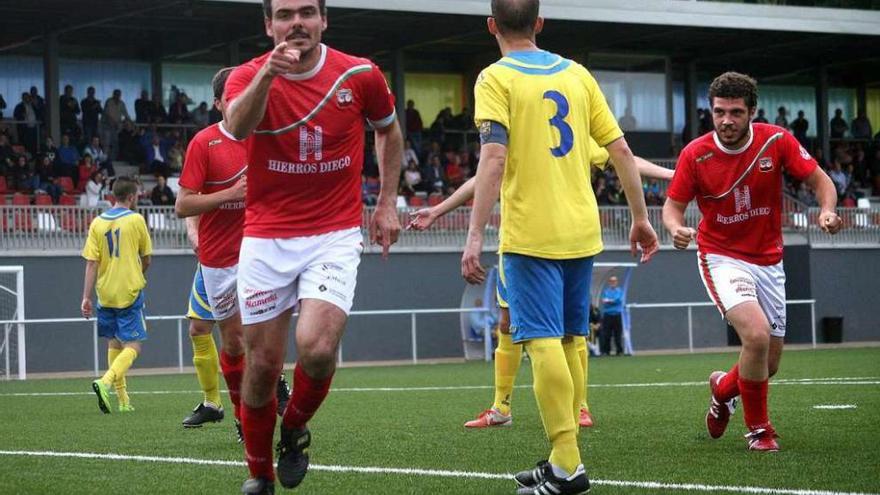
[805,154]
[214,141]
[765,164]
[344,97]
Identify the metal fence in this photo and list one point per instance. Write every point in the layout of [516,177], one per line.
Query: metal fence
[60,229]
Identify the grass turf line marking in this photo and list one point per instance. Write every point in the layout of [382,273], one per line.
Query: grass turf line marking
[431,472]
[797,381]
[835,406]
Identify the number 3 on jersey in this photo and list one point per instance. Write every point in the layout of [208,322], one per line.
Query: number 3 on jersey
[558,121]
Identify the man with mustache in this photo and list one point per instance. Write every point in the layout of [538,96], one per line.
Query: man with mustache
[303,107]
[735,174]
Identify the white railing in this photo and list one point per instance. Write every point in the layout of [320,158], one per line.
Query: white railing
[690,316]
[487,331]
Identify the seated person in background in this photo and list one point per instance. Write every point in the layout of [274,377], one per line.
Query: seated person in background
[94,189]
[67,160]
[45,170]
[162,194]
[99,155]
[412,179]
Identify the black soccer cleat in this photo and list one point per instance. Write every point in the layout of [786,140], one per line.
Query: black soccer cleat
[293,456]
[549,484]
[282,392]
[203,414]
[258,486]
[239,432]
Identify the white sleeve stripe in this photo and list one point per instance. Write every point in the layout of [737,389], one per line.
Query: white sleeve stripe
[382,123]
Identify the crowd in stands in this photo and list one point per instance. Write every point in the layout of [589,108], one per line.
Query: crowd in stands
[437,158]
[93,136]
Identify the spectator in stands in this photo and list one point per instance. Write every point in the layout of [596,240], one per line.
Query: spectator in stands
[441,123]
[706,124]
[464,121]
[100,157]
[819,156]
[200,116]
[840,178]
[653,195]
[178,114]
[39,104]
[860,166]
[861,127]
[434,150]
[875,172]
[6,155]
[455,174]
[805,195]
[616,197]
[409,154]
[45,171]
[158,115]
[2,106]
[67,160]
[214,115]
[838,125]
[628,121]
[143,108]
[162,195]
[761,119]
[115,113]
[600,189]
[50,150]
[22,175]
[371,164]
[156,152]
[91,108]
[612,318]
[86,166]
[414,124]
[799,128]
[27,131]
[412,179]
[434,175]
[69,109]
[781,118]
[130,149]
[175,157]
[94,189]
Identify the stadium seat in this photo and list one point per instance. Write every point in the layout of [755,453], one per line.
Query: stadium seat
[67,200]
[67,220]
[43,200]
[19,199]
[66,184]
[23,222]
[435,199]
[416,201]
[3,188]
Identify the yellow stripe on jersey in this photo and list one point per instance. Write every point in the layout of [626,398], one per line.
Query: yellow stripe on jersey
[551,107]
[117,240]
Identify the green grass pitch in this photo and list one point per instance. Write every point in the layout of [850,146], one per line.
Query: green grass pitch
[644,434]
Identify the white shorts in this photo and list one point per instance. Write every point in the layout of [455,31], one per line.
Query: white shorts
[275,274]
[220,287]
[731,282]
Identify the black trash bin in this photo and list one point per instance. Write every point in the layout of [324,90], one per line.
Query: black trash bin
[832,329]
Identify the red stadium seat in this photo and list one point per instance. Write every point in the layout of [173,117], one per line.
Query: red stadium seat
[3,188]
[416,201]
[43,200]
[68,221]
[435,199]
[66,184]
[23,221]
[67,200]
[19,199]
[19,149]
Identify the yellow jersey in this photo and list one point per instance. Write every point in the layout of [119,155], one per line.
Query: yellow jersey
[118,238]
[551,108]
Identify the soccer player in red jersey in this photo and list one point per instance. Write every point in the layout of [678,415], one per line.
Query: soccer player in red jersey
[736,176]
[303,108]
[213,186]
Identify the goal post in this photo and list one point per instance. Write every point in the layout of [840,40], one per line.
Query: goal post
[12,339]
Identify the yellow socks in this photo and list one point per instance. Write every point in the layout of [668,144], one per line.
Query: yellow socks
[121,387]
[584,354]
[576,370]
[508,357]
[554,392]
[207,364]
[120,366]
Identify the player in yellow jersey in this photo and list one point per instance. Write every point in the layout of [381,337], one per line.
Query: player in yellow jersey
[536,111]
[508,355]
[117,254]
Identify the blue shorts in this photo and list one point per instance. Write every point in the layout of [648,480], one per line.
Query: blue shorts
[548,298]
[126,324]
[199,307]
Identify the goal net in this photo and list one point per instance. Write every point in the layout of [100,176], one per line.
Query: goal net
[12,362]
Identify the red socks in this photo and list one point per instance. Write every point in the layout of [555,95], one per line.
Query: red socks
[308,394]
[258,425]
[728,386]
[233,369]
[754,401]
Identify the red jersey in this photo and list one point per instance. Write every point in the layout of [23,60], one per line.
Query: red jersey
[307,153]
[214,162]
[746,223]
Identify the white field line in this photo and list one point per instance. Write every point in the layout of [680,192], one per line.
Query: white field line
[835,406]
[648,485]
[798,381]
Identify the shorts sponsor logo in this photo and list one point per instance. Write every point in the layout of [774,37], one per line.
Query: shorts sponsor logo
[233,205]
[322,288]
[260,300]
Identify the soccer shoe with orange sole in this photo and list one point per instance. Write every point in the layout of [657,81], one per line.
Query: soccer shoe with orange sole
[763,440]
[719,413]
[586,419]
[490,418]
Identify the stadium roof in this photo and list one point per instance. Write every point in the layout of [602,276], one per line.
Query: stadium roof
[784,44]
